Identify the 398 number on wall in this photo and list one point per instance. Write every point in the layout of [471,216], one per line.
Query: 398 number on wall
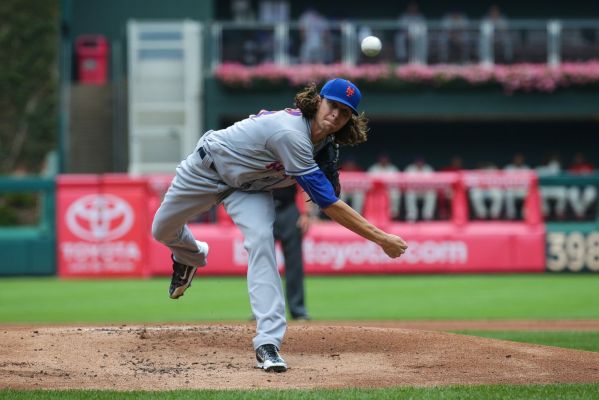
[572,251]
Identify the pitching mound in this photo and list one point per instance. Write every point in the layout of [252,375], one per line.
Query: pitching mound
[219,356]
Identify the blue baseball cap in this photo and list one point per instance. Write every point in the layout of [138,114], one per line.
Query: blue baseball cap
[344,92]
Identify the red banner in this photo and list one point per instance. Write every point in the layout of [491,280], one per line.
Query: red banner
[102,225]
[455,246]
[434,247]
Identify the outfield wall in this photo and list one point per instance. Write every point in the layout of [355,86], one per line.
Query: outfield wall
[104,224]
[572,245]
[28,249]
[102,228]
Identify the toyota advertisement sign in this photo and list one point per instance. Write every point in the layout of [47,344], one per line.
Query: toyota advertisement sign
[332,249]
[104,230]
[102,226]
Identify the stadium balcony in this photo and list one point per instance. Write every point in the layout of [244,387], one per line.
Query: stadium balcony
[432,42]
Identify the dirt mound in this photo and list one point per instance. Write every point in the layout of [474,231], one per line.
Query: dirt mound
[220,356]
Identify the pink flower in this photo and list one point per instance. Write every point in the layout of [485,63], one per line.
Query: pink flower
[513,78]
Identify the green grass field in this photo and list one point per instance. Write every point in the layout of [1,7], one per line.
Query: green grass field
[532,392]
[464,297]
[473,297]
[580,340]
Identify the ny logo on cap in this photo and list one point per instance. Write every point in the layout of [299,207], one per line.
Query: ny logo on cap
[349,91]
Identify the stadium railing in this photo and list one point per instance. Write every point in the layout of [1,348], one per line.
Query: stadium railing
[549,41]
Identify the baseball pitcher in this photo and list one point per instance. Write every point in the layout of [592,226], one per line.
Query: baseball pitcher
[240,166]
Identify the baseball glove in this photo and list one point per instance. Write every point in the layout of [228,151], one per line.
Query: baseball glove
[328,162]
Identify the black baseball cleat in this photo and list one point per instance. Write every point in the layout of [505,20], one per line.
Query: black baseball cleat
[268,358]
[183,274]
[181,279]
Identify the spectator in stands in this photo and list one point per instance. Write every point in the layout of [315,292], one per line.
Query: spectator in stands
[445,196]
[479,196]
[270,12]
[454,38]
[314,30]
[355,198]
[273,11]
[581,198]
[551,165]
[241,10]
[428,196]
[408,21]
[385,166]
[558,194]
[455,164]
[501,32]
[259,44]
[351,165]
[580,165]
[515,195]
[242,13]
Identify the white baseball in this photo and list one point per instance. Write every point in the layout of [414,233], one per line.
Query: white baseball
[371,46]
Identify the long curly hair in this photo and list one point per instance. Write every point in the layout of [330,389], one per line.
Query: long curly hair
[353,133]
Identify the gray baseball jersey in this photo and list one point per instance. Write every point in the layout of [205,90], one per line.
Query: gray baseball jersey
[264,151]
[251,157]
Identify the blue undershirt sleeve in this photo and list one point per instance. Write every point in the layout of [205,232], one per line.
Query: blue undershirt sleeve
[318,188]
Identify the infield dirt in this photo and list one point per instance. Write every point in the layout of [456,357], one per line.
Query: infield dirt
[220,356]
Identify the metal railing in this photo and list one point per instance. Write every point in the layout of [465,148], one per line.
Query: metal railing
[432,42]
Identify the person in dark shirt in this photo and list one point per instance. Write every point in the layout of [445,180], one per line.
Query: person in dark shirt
[289,227]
